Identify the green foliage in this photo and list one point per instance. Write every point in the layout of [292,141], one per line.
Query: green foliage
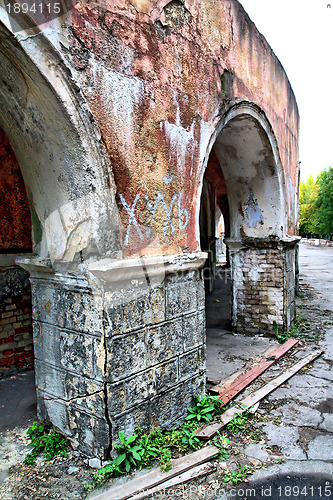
[222,443]
[238,476]
[298,329]
[129,453]
[51,443]
[203,409]
[316,205]
[238,422]
[280,335]
[324,202]
[189,439]
[307,209]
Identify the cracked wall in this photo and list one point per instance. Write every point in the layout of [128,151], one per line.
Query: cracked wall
[112,113]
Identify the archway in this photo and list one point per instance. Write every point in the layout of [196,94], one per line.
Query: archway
[16,348]
[245,156]
[71,192]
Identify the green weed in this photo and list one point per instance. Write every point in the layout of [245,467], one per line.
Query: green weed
[51,443]
[204,408]
[238,422]
[238,476]
[129,453]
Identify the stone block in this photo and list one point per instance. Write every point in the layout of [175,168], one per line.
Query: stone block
[90,433]
[126,355]
[166,375]
[76,310]
[155,310]
[164,342]
[63,385]
[71,351]
[122,396]
[193,331]
[181,299]
[133,314]
[113,313]
[189,364]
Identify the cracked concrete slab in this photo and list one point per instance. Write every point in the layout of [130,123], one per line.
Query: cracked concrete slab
[321,448]
[286,438]
[257,451]
[303,388]
[327,423]
[296,414]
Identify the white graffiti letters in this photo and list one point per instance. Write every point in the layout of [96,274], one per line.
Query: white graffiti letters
[131,219]
[182,213]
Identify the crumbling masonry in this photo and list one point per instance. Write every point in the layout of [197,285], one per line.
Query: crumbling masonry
[124,124]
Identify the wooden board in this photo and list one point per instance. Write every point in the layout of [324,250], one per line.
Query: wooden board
[185,477]
[228,391]
[156,476]
[229,380]
[209,431]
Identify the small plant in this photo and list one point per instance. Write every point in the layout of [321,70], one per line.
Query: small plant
[238,422]
[203,409]
[238,476]
[51,443]
[189,439]
[297,329]
[129,453]
[279,334]
[222,443]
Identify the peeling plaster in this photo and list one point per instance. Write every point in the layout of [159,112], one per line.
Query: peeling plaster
[253,214]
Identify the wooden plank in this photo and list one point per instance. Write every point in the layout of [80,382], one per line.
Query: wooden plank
[185,477]
[228,392]
[210,430]
[229,380]
[156,476]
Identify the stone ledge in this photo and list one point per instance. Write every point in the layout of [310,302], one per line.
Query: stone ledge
[110,270]
[262,243]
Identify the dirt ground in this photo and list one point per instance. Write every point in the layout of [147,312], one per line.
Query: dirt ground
[64,478]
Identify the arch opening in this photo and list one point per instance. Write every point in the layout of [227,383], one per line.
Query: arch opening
[16,353]
[243,181]
[74,219]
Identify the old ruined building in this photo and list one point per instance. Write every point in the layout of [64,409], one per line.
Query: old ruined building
[124,124]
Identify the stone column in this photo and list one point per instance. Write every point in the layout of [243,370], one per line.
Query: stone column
[121,348]
[263,283]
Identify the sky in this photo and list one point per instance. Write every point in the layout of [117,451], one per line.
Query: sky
[300,33]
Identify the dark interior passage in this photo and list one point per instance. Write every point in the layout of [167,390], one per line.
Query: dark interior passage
[16,344]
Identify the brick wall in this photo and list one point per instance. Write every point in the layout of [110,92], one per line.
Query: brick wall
[16,344]
[263,285]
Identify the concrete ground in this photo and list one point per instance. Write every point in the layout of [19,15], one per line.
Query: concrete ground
[297,418]
[303,406]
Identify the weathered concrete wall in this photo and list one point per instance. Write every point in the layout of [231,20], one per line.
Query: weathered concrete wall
[112,114]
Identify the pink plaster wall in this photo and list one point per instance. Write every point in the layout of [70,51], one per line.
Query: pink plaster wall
[151,72]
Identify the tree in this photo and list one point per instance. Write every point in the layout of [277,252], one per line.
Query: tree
[307,207]
[324,202]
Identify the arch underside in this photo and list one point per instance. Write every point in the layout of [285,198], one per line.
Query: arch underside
[243,168]
[253,185]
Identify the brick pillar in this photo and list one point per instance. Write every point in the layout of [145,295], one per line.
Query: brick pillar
[263,283]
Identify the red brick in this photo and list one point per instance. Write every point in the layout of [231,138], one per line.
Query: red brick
[23,329]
